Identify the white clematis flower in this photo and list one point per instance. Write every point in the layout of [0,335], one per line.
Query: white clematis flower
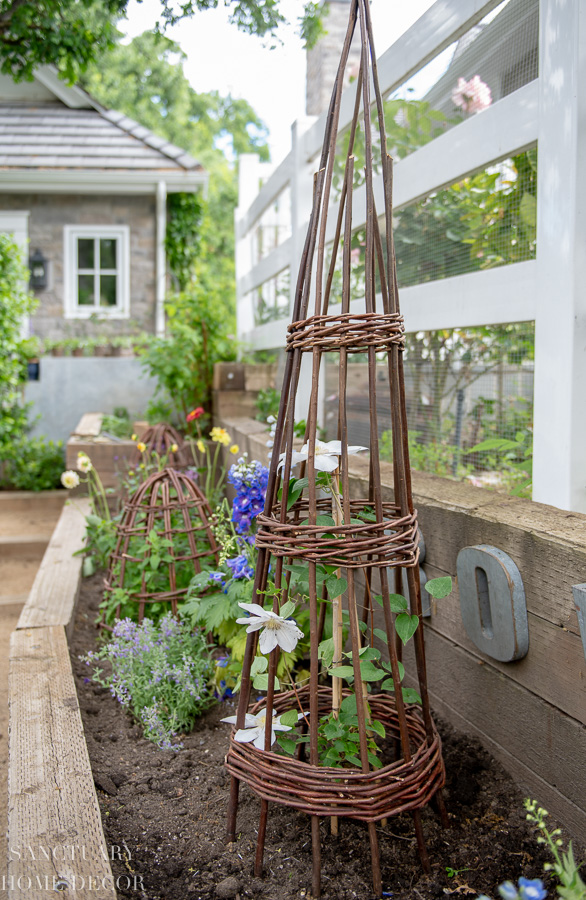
[255,728]
[277,630]
[326,455]
[84,463]
[70,479]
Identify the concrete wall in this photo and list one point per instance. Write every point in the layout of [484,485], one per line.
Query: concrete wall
[68,387]
[49,213]
[530,713]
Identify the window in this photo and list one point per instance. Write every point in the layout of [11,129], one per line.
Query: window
[97,279]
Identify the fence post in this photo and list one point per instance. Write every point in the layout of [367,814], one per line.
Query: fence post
[559,464]
[249,168]
[302,172]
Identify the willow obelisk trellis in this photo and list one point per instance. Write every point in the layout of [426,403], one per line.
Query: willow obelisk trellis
[387,537]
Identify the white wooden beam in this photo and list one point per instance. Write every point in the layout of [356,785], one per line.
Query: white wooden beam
[559,462]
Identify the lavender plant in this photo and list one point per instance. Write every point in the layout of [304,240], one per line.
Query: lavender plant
[162,673]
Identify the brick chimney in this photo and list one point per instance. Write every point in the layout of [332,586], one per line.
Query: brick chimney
[323,59]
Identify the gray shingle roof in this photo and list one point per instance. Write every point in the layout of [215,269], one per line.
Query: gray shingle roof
[53,136]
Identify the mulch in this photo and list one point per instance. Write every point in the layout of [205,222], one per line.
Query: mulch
[167,813]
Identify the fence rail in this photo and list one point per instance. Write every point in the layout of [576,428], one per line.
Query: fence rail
[544,112]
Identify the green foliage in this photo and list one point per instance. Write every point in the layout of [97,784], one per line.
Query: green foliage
[437,458]
[117,425]
[16,304]
[145,80]
[338,738]
[267,403]
[183,361]
[70,34]
[33,464]
[65,33]
[147,566]
[571,886]
[161,673]
[100,541]
[184,215]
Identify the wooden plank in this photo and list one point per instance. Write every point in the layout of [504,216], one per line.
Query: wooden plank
[52,802]
[554,668]
[55,589]
[89,425]
[543,749]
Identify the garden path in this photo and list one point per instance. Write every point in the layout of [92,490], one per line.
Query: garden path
[27,521]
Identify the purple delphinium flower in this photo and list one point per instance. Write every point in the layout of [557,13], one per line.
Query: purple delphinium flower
[240,567]
[250,481]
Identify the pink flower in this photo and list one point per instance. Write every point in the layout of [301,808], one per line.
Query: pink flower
[472,96]
[355,256]
[195,414]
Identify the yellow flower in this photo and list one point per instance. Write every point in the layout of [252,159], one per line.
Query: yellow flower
[134,437]
[201,446]
[174,448]
[141,446]
[220,435]
[234,449]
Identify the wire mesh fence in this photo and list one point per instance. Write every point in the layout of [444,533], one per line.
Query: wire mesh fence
[469,404]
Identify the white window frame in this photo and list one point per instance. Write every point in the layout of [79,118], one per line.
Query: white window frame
[71,234]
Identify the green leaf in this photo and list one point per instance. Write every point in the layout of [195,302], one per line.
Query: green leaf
[406,626]
[398,603]
[348,704]
[369,653]
[342,672]
[439,587]
[378,728]
[287,744]
[324,520]
[336,586]
[410,695]
[370,672]
[401,667]
[381,635]
[259,664]
[287,609]
[261,683]
[89,566]
[378,599]
[289,718]
[325,652]
[374,761]
[155,562]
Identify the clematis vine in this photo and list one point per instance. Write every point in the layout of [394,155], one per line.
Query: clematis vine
[472,96]
[255,728]
[326,455]
[277,631]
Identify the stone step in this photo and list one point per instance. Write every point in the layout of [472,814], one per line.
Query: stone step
[22,546]
[17,576]
[39,501]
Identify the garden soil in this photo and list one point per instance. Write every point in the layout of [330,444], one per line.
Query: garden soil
[168,811]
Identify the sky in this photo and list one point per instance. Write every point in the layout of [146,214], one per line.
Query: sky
[221,58]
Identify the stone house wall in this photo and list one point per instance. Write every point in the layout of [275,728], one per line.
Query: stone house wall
[49,213]
[323,59]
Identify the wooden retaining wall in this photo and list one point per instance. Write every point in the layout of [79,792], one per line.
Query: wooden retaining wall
[55,836]
[531,713]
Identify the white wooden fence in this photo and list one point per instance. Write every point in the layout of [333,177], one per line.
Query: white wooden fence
[549,112]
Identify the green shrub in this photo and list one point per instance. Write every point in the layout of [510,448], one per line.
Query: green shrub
[33,464]
[16,304]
